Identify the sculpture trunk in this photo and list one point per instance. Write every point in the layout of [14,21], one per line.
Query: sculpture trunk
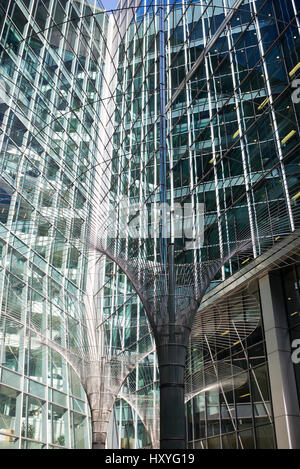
[100,401]
[99,429]
[171,359]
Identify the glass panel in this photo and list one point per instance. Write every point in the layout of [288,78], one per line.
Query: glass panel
[246,439]
[265,437]
[35,362]
[79,430]
[56,370]
[32,418]
[37,389]
[59,398]
[8,402]
[11,334]
[214,443]
[76,388]
[11,378]
[58,420]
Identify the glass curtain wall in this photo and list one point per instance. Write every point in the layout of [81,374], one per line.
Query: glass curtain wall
[51,73]
[132,168]
[232,124]
[238,155]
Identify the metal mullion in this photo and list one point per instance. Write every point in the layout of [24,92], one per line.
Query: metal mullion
[227,241]
[233,421]
[142,173]
[84,90]
[48,129]
[5,20]
[150,22]
[135,413]
[218,205]
[190,119]
[35,96]
[114,299]
[296,15]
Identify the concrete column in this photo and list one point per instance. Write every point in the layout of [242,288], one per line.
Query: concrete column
[282,375]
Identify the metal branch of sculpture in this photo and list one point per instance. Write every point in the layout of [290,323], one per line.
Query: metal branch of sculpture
[102,373]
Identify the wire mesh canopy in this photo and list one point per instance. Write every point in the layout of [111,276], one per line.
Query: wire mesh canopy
[102,375]
[151,279]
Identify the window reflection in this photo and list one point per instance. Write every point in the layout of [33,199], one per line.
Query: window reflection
[58,423]
[35,359]
[32,418]
[8,402]
[10,334]
[79,430]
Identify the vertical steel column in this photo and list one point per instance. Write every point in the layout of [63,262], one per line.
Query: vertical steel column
[171,293]
[171,356]
[162,136]
[172,408]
